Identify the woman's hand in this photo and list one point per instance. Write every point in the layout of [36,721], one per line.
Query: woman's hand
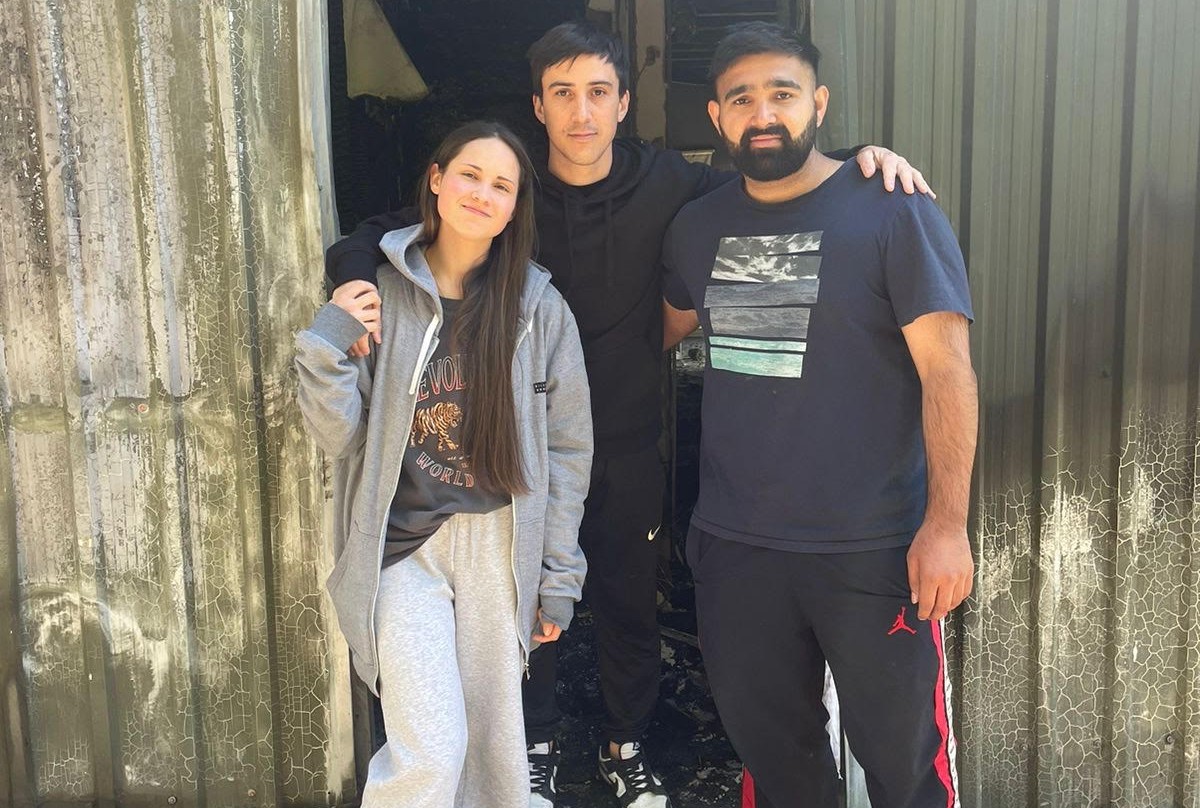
[361,300]
[550,632]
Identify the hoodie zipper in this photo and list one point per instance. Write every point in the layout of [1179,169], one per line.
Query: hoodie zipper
[512,550]
[428,344]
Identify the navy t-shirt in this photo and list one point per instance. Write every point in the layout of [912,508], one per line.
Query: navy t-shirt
[811,421]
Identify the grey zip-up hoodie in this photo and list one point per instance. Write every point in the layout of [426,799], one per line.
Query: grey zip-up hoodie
[360,412]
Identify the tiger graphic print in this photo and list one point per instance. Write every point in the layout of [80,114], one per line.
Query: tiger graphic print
[436,420]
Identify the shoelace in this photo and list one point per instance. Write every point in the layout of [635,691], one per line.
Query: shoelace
[635,773]
[539,772]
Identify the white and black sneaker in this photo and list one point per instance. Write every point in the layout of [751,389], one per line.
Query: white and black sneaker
[631,779]
[543,768]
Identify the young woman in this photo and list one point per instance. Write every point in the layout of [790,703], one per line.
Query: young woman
[463,446]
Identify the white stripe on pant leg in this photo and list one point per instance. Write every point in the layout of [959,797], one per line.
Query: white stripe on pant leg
[495,773]
[952,744]
[420,765]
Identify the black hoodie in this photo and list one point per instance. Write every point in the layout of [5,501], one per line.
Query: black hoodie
[602,244]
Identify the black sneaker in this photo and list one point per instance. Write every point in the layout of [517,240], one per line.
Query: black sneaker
[631,779]
[543,768]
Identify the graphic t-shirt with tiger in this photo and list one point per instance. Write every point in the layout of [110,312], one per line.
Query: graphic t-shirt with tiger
[436,480]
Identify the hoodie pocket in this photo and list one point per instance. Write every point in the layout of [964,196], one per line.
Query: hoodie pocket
[352,586]
[339,570]
[352,555]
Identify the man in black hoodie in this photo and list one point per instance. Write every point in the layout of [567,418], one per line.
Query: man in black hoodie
[603,206]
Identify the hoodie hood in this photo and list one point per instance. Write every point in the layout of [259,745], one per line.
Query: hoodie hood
[586,211]
[405,255]
[632,160]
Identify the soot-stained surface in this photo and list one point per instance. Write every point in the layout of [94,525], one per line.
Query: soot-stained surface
[686,744]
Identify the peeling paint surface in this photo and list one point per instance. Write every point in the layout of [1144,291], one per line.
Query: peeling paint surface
[162,551]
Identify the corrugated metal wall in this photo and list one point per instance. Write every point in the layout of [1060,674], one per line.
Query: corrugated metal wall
[164,637]
[162,628]
[1063,137]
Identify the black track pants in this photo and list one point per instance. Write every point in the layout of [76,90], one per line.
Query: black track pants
[619,536]
[770,619]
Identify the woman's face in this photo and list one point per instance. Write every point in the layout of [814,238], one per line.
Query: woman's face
[477,190]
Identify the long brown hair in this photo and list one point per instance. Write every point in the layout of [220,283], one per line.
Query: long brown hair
[485,330]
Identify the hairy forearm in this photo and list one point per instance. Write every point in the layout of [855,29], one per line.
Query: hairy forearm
[950,418]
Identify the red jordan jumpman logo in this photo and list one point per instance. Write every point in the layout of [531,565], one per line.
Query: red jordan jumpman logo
[899,625]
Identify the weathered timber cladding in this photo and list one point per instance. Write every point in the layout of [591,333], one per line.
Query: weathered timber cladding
[1063,138]
[163,628]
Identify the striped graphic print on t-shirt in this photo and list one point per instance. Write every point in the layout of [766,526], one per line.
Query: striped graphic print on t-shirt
[759,315]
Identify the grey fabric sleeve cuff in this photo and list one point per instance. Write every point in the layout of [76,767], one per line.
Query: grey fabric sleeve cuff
[558,610]
[337,326]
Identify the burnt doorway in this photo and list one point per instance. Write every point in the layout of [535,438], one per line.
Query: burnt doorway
[693,28]
[470,54]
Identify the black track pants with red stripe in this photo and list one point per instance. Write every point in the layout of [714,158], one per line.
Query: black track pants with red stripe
[770,619]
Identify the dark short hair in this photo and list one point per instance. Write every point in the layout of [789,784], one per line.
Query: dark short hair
[750,38]
[571,40]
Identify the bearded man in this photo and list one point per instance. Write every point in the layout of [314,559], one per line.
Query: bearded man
[838,434]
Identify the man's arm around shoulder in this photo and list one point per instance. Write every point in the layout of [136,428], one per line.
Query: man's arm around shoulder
[352,264]
[357,256]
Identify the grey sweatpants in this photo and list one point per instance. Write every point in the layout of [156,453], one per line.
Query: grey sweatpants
[450,673]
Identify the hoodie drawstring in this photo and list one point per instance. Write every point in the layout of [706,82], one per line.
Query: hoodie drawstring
[610,248]
[609,245]
[570,245]
[429,332]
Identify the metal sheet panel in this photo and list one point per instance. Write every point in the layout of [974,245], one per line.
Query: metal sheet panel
[166,633]
[1064,140]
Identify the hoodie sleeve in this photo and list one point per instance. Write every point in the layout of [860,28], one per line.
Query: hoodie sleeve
[332,387]
[845,154]
[569,434]
[357,256]
[707,179]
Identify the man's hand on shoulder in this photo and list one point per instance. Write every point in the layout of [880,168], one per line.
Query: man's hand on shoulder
[940,569]
[360,299]
[893,167]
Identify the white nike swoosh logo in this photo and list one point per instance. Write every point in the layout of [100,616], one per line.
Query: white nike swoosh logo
[650,536]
